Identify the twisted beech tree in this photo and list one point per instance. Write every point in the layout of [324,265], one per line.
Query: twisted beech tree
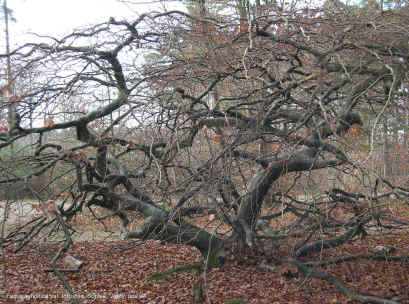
[174,113]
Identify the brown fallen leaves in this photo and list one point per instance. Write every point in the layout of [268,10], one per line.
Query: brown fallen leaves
[116,272]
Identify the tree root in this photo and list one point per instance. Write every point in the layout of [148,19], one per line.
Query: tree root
[235,301]
[337,283]
[165,274]
[198,293]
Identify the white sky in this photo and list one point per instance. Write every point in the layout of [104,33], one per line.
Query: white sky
[59,17]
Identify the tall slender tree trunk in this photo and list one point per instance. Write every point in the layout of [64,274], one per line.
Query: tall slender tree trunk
[386,150]
[10,106]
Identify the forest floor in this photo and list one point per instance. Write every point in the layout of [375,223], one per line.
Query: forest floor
[117,271]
